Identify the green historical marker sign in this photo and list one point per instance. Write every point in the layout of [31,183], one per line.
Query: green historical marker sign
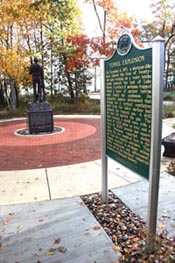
[128,100]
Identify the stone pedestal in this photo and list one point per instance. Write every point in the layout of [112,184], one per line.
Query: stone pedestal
[40,117]
[169,144]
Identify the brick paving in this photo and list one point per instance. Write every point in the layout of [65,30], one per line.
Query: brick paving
[79,142]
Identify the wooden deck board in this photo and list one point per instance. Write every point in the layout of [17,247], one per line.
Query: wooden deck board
[29,234]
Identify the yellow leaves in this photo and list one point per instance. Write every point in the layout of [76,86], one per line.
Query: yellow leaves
[19,228]
[12,63]
[51,252]
[14,10]
[161,225]
[16,22]
[28,27]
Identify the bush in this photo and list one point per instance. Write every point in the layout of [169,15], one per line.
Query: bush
[169,96]
[63,105]
[59,104]
[168,111]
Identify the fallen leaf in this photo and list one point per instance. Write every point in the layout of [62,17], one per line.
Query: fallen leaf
[20,228]
[5,222]
[161,225]
[82,204]
[96,228]
[62,249]
[52,250]
[57,241]
[116,248]
[49,254]
[1,246]
[11,214]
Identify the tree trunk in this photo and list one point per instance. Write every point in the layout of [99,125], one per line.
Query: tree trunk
[2,99]
[10,94]
[70,88]
[13,98]
[6,94]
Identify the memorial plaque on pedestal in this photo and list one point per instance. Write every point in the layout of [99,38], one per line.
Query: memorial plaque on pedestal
[40,117]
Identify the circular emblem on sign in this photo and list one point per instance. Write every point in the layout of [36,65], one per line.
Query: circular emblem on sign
[124,44]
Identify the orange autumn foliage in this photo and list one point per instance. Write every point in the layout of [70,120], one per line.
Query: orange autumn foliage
[79,56]
[112,24]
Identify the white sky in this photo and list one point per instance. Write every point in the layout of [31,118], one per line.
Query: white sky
[137,8]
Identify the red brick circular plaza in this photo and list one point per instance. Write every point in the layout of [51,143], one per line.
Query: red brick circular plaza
[78,142]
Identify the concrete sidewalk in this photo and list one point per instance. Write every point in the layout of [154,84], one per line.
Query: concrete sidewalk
[66,181]
[30,228]
[59,182]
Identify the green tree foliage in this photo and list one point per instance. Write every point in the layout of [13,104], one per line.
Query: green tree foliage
[62,21]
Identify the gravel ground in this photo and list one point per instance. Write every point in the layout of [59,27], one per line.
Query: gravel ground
[128,231]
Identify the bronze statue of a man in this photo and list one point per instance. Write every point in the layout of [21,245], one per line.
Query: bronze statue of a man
[36,70]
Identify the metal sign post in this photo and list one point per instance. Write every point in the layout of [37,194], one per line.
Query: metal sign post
[156,135]
[104,158]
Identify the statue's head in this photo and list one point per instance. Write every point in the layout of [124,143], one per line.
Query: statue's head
[36,59]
